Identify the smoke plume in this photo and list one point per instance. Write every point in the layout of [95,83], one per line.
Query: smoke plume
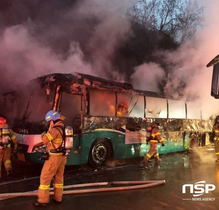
[39,38]
[148,81]
[188,78]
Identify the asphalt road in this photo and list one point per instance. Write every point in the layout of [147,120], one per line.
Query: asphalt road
[177,169]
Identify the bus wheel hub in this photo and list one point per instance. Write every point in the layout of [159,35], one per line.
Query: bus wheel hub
[100,152]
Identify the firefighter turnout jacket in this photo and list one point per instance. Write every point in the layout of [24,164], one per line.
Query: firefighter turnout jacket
[153,140]
[8,142]
[53,167]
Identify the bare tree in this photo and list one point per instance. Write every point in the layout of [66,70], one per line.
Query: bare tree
[177,18]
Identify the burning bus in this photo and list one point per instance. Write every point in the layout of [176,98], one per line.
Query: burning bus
[109,118]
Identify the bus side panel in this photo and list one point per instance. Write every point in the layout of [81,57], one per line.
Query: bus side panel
[116,138]
[74,158]
[118,142]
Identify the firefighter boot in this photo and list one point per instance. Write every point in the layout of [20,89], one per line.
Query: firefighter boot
[145,160]
[157,159]
[9,172]
[55,201]
[37,204]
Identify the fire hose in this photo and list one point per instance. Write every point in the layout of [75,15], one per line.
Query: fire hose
[134,185]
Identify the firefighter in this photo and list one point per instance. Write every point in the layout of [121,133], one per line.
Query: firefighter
[153,139]
[8,144]
[54,166]
[193,138]
[216,138]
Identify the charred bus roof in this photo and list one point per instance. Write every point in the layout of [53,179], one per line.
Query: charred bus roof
[70,82]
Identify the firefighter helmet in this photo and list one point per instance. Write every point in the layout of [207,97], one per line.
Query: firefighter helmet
[2,121]
[52,115]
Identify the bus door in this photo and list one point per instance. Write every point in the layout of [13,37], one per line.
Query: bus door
[70,108]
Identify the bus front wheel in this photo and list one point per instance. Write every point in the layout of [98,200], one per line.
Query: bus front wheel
[99,153]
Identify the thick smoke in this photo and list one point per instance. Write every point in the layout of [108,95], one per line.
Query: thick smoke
[41,37]
[148,81]
[193,57]
[23,57]
[188,78]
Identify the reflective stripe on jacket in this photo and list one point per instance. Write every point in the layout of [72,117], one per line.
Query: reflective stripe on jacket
[53,137]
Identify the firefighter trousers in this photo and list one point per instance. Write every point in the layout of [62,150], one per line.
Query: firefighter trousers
[152,152]
[5,158]
[52,168]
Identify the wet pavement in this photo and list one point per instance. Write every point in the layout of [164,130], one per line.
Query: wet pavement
[177,169]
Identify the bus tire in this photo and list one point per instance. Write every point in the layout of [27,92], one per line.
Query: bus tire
[99,153]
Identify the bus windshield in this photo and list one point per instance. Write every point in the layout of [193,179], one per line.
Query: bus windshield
[32,105]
